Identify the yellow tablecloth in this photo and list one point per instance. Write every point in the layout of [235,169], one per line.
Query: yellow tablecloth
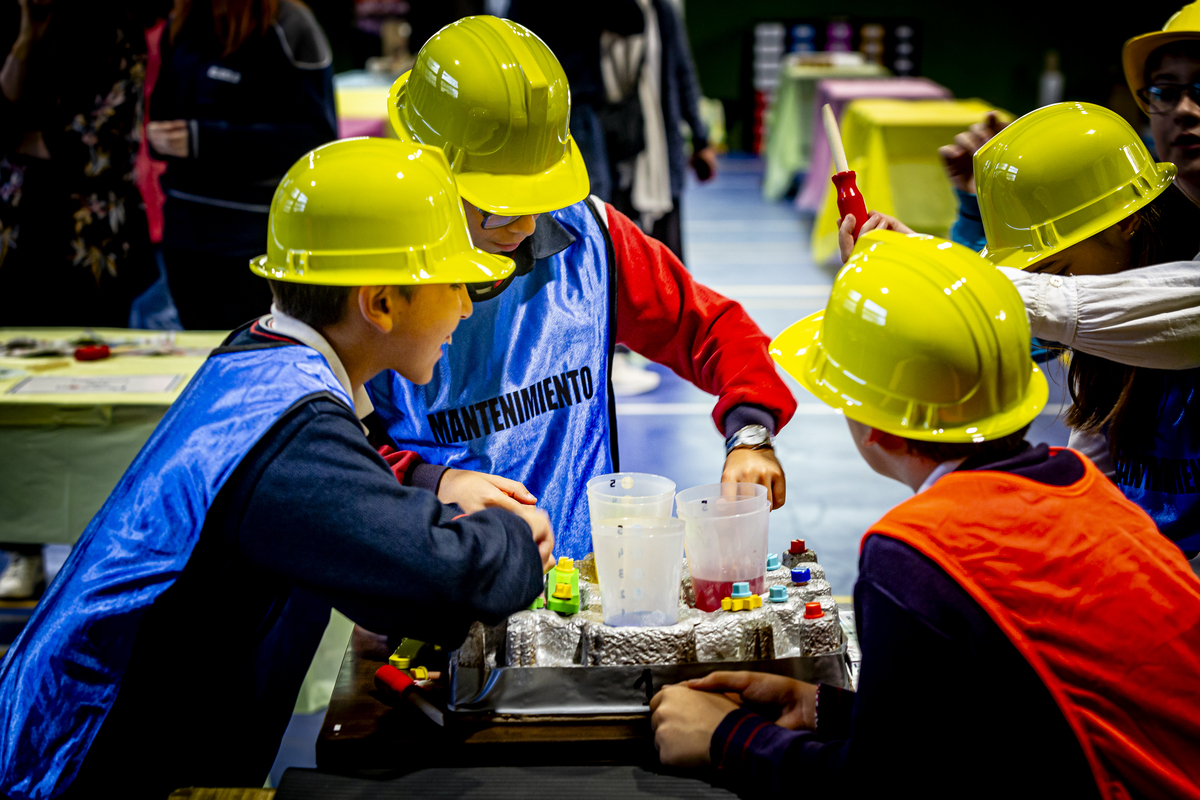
[64,453]
[892,146]
[789,121]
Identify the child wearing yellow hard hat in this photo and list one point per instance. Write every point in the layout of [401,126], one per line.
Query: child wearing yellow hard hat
[206,581]
[527,394]
[1070,189]
[1021,622]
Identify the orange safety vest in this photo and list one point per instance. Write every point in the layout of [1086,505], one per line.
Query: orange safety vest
[1103,607]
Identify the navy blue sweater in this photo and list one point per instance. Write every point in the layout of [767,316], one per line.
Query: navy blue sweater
[311,519]
[946,706]
[251,115]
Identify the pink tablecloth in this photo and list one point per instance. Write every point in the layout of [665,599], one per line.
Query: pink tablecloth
[348,128]
[838,92]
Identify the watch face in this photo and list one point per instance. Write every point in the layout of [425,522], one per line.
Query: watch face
[754,437]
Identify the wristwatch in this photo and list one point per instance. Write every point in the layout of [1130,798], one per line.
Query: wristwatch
[754,437]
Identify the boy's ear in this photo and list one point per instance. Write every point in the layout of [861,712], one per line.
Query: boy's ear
[889,442]
[378,306]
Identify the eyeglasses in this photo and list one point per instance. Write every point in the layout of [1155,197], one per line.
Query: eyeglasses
[1162,98]
[492,221]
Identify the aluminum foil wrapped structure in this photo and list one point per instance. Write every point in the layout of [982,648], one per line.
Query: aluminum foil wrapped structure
[543,638]
[606,646]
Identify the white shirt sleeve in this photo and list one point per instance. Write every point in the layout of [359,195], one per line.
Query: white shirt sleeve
[1147,317]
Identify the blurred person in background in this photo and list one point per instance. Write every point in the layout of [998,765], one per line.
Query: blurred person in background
[246,88]
[73,243]
[74,249]
[648,187]
[575,41]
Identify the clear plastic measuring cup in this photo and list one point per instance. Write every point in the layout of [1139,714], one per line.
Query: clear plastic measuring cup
[629,494]
[726,538]
[639,561]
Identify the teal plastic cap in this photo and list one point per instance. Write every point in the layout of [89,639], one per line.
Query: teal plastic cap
[741,590]
[778,594]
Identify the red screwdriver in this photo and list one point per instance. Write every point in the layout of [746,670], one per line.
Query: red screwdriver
[849,199]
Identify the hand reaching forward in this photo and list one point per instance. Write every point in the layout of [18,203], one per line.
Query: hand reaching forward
[475,491]
[795,700]
[875,221]
[958,157]
[745,465]
[543,532]
[684,721]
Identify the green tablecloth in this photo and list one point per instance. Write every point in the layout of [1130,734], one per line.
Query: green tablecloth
[789,121]
[65,451]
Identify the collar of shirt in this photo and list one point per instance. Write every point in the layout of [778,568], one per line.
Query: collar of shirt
[548,237]
[941,470]
[282,324]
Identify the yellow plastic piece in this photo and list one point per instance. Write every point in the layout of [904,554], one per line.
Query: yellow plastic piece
[1183,24]
[921,338]
[1059,175]
[892,147]
[565,564]
[562,591]
[495,99]
[361,212]
[399,662]
[742,603]
[419,674]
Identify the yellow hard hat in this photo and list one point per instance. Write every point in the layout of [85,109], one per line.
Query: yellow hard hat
[1059,175]
[495,99]
[1183,24]
[921,338]
[372,212]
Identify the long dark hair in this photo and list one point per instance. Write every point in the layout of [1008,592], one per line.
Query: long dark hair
[234,21]
[1117,399]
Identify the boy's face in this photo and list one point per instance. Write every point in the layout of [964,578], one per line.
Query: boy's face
[423,324]
[502,240]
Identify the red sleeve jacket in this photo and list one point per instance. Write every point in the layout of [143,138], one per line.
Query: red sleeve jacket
[702,336]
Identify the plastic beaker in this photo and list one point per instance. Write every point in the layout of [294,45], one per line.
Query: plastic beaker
[639,561]
[629,494]
[726,538]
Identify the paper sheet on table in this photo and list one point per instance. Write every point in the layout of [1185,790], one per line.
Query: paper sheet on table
[90,384]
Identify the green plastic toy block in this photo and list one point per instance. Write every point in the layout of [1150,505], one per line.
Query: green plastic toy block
[562,587]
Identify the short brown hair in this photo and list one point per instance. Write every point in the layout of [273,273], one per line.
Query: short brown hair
[991,450]
[317,306]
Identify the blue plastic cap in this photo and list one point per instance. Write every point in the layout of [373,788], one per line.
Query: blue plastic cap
[801,575]
[773,561]
[741,590]
[778,594]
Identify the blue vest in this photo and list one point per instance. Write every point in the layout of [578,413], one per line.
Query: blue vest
[1165,480]
[523,392]
[60,678]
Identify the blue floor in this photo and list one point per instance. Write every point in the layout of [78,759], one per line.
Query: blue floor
[758,254]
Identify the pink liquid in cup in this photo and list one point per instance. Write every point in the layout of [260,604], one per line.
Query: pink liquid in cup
[710,593]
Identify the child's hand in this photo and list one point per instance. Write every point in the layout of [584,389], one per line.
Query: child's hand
[795,700]
[543,532]
[958,158]
[475,491]
[875,221]
[683,721]
[756,466]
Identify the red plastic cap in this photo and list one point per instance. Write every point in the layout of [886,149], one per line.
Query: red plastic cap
[93,352]
[389,678]
[813,611]
[797,546]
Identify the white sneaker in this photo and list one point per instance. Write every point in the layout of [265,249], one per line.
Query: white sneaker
[24,577]
[629,380]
